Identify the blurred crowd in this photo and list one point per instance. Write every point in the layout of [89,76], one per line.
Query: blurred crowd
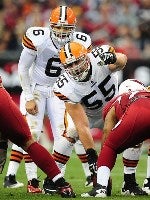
[123,23]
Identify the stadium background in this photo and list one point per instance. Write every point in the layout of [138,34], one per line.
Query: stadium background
[123,24]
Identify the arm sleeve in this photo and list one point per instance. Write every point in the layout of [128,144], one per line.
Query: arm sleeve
[25,62]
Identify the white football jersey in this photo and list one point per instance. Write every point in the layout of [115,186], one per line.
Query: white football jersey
[93,94]
[47,66]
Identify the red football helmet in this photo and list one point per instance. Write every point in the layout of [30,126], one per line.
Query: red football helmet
[131,85]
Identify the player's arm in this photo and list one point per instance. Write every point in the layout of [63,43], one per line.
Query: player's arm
[109,123]
[27,58]
[80,120]
[120,63]
[115,61]
[25,61]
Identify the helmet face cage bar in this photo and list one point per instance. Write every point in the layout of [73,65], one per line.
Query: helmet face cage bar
[79,69]
[62,33]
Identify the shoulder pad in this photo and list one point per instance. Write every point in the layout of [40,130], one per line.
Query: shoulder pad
[83,39]
[35,36]
[64,90]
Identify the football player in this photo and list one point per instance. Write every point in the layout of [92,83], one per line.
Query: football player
[89,82]
[131,155]
[14,127]
[40,56]
[126,125]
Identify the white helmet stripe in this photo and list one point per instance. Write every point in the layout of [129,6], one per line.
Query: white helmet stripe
[67,51]
[63,13]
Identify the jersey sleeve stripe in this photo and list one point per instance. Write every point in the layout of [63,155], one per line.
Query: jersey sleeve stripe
[28,43]
[61,96]
[89,49]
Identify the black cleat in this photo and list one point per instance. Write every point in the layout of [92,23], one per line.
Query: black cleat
[146,186]
[49,186]
[132,189]
[10,182]
[97,191]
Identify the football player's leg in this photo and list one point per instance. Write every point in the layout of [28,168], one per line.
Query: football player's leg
[35,123]
[62,147]
[16,157]
[131,134]
[130,160]
[63,142]
[21,135]
[18,132]
[146,184]
[62,150]
[47,164]
[81,153]
[105,163]
[127,133]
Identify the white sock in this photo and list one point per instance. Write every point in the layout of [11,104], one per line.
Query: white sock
[129,170]
[131,154]
[12,168]
[13,165]
[63,147]
[103,174]
[31,170]
[86,169]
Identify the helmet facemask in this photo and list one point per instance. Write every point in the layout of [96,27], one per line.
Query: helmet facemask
[78,69]
[62,33]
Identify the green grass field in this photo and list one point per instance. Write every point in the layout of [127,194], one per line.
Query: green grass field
[74,175]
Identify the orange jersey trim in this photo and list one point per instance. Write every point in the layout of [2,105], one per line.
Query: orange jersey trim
[61,96]
[28,43]
[89,49]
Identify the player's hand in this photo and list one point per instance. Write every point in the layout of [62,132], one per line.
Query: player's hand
[31,107]
[108,57]
[92,160]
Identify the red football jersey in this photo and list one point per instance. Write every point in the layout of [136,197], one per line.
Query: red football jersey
[122,102]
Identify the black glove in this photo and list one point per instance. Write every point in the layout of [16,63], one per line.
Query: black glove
[92,160]
[108,58]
